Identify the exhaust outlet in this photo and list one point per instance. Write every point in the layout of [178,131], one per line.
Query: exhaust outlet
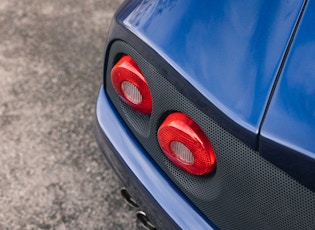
[127,197]
[144,220]
[141,215]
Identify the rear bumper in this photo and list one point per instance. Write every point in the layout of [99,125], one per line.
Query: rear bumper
[165,205]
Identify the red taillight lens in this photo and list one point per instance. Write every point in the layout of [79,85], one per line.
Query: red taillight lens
[131,86]
[186,145]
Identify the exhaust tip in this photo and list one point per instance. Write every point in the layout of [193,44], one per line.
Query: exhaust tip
[127,197]
[141,215]
[144,220]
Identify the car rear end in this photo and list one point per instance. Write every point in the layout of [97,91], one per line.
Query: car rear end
[241,188]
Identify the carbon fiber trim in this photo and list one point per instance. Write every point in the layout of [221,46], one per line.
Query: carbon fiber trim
[245,192]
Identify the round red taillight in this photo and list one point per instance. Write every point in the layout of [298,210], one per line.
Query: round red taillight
[186,145]
[131,86]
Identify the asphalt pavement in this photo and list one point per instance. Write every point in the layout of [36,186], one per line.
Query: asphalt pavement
[52,174]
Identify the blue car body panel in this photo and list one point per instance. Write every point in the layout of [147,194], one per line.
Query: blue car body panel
[290,120]
[252,71]
[230,54]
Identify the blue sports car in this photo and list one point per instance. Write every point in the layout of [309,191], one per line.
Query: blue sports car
[207,112]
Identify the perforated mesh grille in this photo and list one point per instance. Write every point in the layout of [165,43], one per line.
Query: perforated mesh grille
[245,191]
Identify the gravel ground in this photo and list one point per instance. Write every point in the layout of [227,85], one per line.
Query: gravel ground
[52,174]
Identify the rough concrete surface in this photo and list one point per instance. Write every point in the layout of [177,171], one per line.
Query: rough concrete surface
[52,174]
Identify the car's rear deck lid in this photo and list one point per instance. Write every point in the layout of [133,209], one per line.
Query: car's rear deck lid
[230,51]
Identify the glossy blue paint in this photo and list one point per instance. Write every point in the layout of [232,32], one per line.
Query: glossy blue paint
[230,54]
[140,174]
[290,121]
